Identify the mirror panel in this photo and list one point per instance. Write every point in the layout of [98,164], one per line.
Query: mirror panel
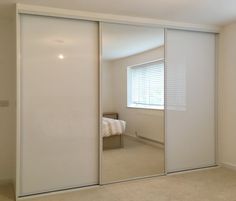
[132,102]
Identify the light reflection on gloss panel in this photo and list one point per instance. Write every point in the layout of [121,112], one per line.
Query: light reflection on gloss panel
[60,56]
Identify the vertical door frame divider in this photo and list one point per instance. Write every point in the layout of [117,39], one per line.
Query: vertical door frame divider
[165,101]
[18,105]
[216,98]
[100,148]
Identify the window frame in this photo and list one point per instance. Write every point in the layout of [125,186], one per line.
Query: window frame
[129,84]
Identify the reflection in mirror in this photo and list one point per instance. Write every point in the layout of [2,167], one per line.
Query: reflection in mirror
[132,102]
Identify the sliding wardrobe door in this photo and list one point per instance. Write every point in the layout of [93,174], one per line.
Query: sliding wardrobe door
[190,100]
[58,103]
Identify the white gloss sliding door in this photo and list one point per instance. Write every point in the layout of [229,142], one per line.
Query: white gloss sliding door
[59,104]
[190,98]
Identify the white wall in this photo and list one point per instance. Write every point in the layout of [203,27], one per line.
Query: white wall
[227,96]
[147,123]
[7,92]
[107,87]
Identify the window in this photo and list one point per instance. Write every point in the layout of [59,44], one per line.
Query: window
[146,85]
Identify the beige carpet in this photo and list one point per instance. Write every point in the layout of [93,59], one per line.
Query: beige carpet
[208,185]
[135,159]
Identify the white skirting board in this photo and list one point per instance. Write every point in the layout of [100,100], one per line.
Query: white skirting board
[146,140]
[228,165]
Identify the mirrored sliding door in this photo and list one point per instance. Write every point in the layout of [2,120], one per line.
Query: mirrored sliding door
[132,88]
[58,103]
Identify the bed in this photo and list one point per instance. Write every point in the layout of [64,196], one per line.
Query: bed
[113,130]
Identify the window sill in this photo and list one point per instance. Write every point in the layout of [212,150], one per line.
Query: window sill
[146,107]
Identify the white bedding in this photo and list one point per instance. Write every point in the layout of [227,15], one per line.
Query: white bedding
[112,127]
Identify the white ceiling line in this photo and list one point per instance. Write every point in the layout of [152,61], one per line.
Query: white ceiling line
[76,14]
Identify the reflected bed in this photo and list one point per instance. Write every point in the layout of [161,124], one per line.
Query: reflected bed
[112,130]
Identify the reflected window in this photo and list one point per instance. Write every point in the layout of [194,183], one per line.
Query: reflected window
[146,85]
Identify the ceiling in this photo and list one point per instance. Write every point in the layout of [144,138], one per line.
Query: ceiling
[120,41]
[212,12]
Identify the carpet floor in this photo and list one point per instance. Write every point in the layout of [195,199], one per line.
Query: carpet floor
[218,184]
[135,159]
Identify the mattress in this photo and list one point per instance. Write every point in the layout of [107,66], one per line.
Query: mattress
[112,127]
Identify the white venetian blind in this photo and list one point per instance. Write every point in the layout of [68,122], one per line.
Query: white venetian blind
[146,85]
